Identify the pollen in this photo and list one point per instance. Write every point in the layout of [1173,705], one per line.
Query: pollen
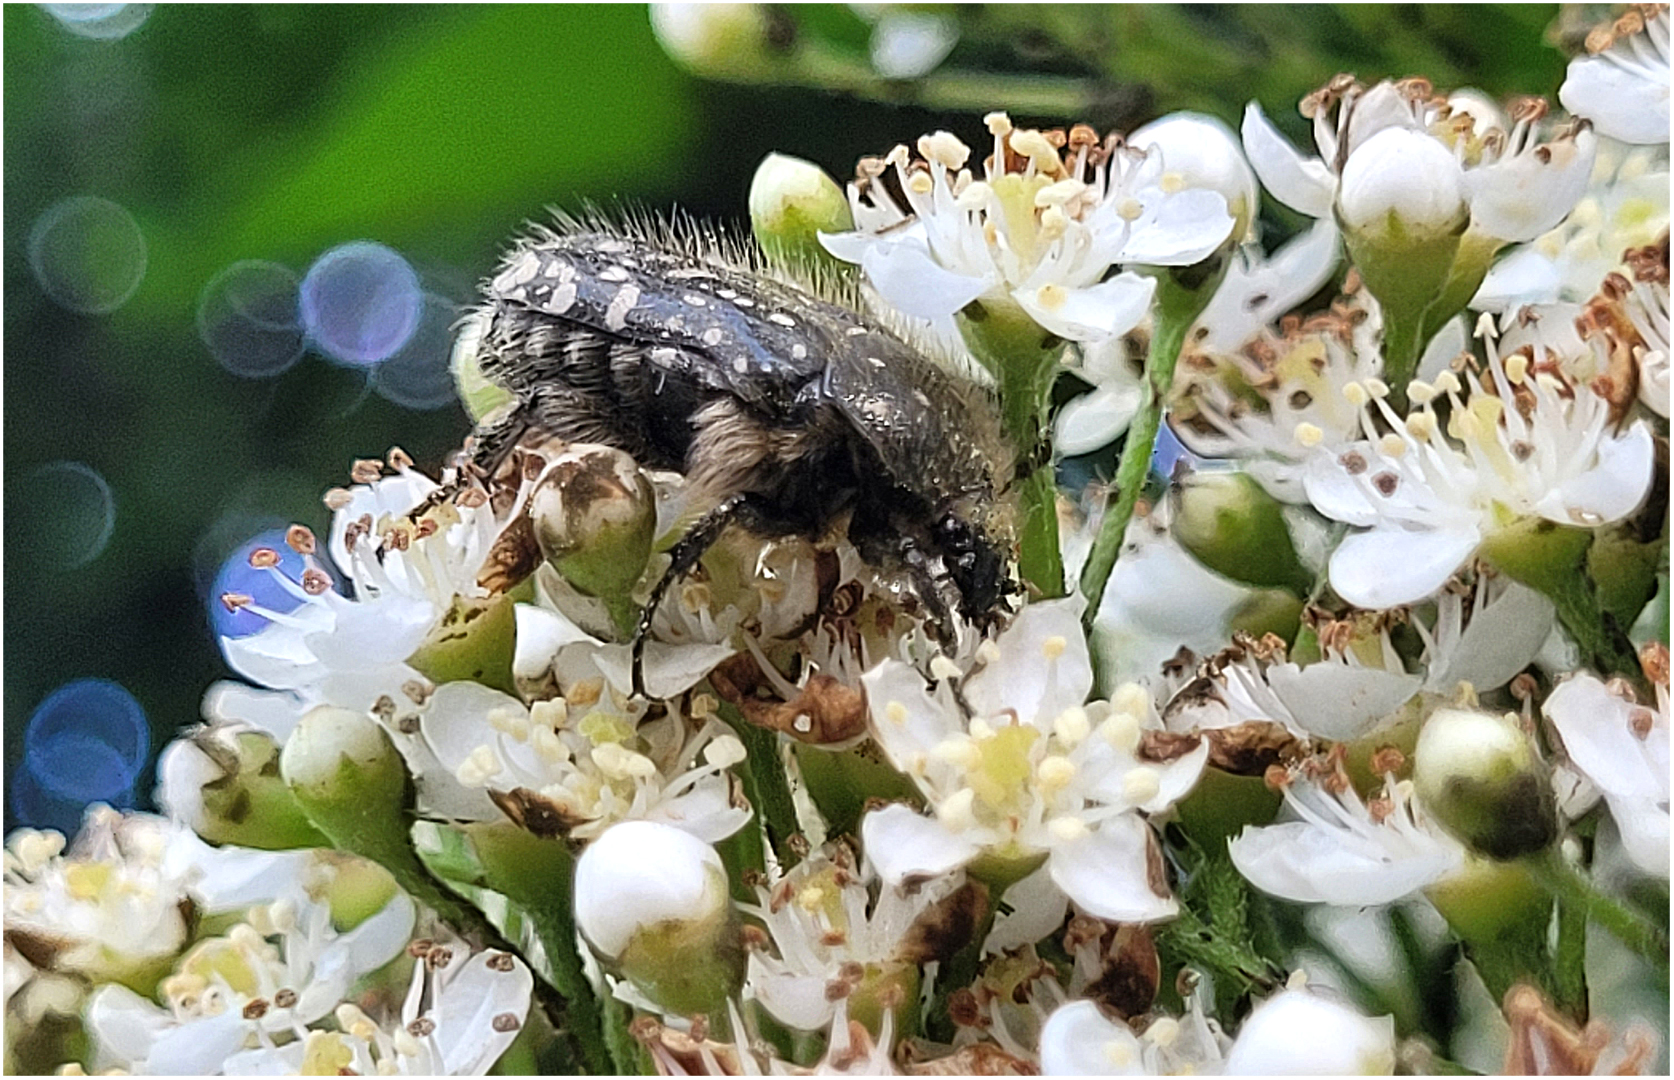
[944,148]
[479,766]
[1130,209]
[1131,698]
[921,184]
[957,810]
[1051,296]
[959,752]
[1420,392]
[1121,731]
[1356,395]
[1422,425]
[1517,368]
[1171,183]
[895,713]
[1054,646]
[975,196]
[1141,785]
[1055,772]
[998,123]
[1067,829]
[1392,445]
[943,669]
[1072,726]
[1309,435]
[1448,383]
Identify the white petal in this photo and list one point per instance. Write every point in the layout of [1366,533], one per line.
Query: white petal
[1333,492]
[1643,824]
[794,999]
[1597,732]
[1078,1040]
[1037,909]
[1107,872]
[379,939]
[1302,1033]
[469,1005]
[1387,567]
[1094,420]
[1298,860]
[1092,313]
[1339,702]
[1179,229]
[921,722]
[903,844]
[1303,184]
[1610,490]
[1626,104]
[1522,197]
[123,1026]
[1501,640]
[541,632]
[273,712]
[1043,665]
[706,811]
[1448,342]
[915,284]
[1526,276]
[199,1047]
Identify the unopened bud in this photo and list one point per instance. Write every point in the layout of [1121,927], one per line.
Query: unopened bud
[1401,186]
[719,41]
[791,202]
[1479,775]
[595,516]
[1234,527]
[228,789]
[479,396]
[652,900]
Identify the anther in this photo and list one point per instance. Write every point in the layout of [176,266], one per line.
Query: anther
[366,471]
[300,539]
[315,582]
[264,558]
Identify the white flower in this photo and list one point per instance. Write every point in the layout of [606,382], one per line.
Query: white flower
[1422,160]
[1625,207]
[234,991]
[1094,419]
[589,759]
[1301,377]
[461,1013]
[1426,502]
[1622,747]
[1622,85]
[1332,848]
[641,874]
[112,905]
[1039,229]
[1032,772]
[833,939]
[1305,1033]
[350,651]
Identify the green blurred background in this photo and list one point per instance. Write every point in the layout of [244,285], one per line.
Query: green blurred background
[276,132]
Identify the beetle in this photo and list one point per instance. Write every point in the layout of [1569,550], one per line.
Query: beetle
[786,409]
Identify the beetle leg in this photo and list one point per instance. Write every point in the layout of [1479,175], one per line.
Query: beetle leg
[684,555]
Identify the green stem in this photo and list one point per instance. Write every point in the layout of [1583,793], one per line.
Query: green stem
[1569,961]
[1403,344]
[1166,340]
[1569,886]
[537,875]
[765,784]
[628,1056]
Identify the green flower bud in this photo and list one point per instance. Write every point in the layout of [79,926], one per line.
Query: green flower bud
[1480,776]
[791,202]
[475,641]
[344,772]
[652,900]
[227,787]
[719,41]
[479,396]
[1237,529]
[595,517]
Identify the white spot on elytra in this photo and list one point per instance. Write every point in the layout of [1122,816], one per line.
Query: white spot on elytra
[727,294]
[694,299]
[875,362]
[744,302]
[614,274]
[781,318]
[562,297]
[918,396]
[616,315]
[799,352]
[856,331]
[713,336]
[741,365]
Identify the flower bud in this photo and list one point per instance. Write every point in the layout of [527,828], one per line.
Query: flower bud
[1402,186]
[479,396]
[1300,1032]
[719,41]
[1237,529]
[791,202]
[1480,777]
[652,900]
[1201,151]
[595,516]
[341,763]
[226,787]
[475,641]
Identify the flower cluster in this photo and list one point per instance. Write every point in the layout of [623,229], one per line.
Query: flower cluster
[1346,750]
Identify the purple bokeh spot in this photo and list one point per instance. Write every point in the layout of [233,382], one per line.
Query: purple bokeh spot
[360,303]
